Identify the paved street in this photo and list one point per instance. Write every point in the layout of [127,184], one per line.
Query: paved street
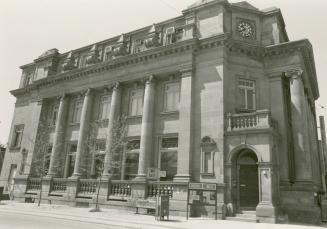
[15,215]
[28,221]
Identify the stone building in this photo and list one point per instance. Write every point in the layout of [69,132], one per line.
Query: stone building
[217,95]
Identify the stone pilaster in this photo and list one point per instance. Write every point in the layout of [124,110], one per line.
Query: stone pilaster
[84,126]
[302,157]
[59,136]
[185,133]
[146,128]
[113,115]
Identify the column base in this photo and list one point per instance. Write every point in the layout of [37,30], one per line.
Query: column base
[140,177]
[106,177]
[49,176]
[182,178]
[75,176]
[266,213]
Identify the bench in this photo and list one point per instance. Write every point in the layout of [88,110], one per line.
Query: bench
[145,204]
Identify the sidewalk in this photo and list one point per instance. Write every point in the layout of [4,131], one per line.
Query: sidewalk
[127,219]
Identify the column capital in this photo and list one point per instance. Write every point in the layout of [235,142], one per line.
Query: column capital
[187,71]
[61,97]
[149,79]
[294,73]
[116,86]
[85,92]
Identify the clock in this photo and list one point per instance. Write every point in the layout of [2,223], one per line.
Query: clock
[246,29]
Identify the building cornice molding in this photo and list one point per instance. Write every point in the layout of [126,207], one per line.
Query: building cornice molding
[146,56]
[188,46]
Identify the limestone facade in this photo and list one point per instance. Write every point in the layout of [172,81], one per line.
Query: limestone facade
[209,96]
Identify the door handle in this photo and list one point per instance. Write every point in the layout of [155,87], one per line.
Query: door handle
[242,185]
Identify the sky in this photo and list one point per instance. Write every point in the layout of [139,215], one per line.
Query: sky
[30,27]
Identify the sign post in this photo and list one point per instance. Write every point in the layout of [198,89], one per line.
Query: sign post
[162,202]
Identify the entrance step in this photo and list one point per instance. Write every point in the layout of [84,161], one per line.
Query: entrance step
[245,216]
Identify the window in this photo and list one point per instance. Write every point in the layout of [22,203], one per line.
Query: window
[23,162]
[170,35]
[207,162]
[28,78]
[108,53]
[136,102]
[17,136]
[246,95]
[104,107]
[98,158]
[54,115]
[174,35]
[70,160]
[77,111]
[171,99]
[83,60]
[132,159]
[168,157]
[47,159]
[11,179]
[208,148]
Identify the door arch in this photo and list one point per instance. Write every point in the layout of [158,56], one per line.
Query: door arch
[247,180]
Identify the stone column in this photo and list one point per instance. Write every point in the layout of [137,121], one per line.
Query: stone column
[113,115]
[59,135]
[265,210]
[185,133]
[146,128]
[323,139]
[83,128]
[303,171]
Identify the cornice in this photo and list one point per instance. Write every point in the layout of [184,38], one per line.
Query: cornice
[121,62]
[187,46]
[305,48]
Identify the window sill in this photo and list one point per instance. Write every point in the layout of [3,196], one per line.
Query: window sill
[169,112]
[52,126]
[242,110]
[74,124]
[14,148]
[207,173]
[102,121]
[134,116]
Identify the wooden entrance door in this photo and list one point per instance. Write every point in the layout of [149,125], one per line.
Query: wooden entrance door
[248,186]
[248,181]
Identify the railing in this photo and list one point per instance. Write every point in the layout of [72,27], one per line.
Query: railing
[87,187]
[166,188]
[33,185]
[120,188]
[260,119]
[58,185]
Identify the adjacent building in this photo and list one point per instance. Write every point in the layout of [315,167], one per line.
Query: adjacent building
[217,95]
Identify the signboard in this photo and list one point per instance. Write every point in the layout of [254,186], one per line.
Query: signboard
[202,194]
[153,173]
[163,207]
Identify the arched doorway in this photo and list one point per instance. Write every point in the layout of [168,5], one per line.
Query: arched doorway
[247,180]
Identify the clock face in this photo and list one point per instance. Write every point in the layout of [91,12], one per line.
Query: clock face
[245,29]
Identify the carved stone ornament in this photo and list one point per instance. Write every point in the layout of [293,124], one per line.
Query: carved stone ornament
[94,55]
[69,63]
[153,38]
[121,48]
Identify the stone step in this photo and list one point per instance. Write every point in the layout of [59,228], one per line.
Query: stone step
[246,216]
[242,219]
[248,212]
